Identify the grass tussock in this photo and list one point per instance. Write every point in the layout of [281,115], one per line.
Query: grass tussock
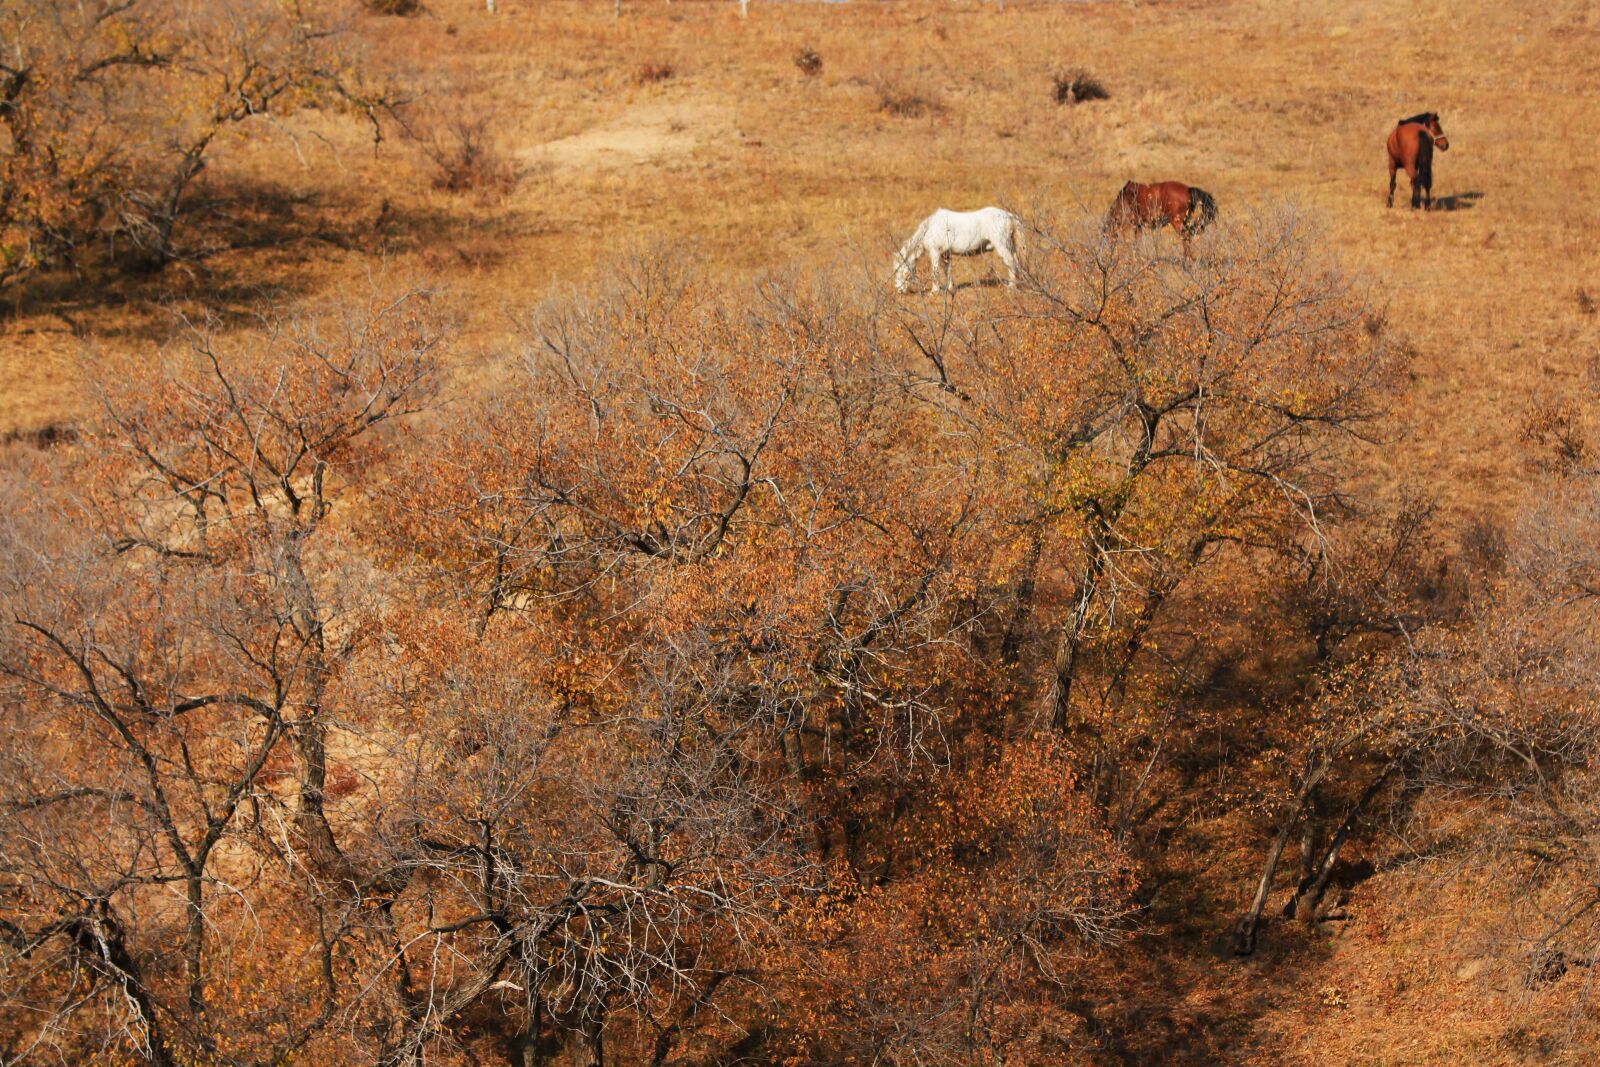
[904,100]
[653,73]
[1077,86]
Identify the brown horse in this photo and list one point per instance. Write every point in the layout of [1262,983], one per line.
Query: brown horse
[1185,208]
[1411,146]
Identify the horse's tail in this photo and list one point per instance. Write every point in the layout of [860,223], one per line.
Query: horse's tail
[1424,160]
[1202,211]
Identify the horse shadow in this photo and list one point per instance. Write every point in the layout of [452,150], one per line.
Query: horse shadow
[991,282]
[1457,201]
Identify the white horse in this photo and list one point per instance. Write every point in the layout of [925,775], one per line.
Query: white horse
[959,233]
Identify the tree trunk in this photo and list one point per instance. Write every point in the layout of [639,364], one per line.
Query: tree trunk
[100,937]
[311,817]
[166,218]
[528,1052]
[1022,603]
[194,946]
[1308,861]
[1312,888]
[794,752]
[587,1045]
[1244,935]
[1058,695]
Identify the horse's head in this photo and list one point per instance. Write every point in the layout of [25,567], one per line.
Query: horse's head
[903,265]
[1440,141]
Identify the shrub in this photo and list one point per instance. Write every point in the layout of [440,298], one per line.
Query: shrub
[809,62]
[466,156]
[1076,87]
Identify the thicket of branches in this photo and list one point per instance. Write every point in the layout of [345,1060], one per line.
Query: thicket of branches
[109,110]
[792,674]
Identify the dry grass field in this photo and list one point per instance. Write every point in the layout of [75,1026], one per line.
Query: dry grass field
[748,164]
[682,124]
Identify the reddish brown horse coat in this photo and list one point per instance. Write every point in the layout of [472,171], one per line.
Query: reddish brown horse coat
[1411,146]
[1185,208]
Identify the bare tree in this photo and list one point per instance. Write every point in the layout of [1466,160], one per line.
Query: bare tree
[173,620]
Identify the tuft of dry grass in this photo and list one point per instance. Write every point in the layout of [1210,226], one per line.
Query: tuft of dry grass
[1077,86]
[651,72]
[904,100]
[1587,304]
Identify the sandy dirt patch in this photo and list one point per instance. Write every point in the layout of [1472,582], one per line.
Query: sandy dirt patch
[644,134]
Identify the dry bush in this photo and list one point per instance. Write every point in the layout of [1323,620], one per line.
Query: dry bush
[466,156]
[669,657]
[652,72]
[1077,86]
[1586,302]
[392,7]
[808,61]
[44,437]
[1557,435]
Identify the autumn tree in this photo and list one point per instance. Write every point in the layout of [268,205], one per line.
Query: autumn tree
[698,517]
[1161,419]
[732,661]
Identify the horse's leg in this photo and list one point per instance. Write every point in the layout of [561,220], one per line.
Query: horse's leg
[933,266]
[1183,234]
[1009,258]
[1393,168]
[1416,187]
[1427,193]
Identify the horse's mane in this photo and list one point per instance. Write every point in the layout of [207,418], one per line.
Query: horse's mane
[1421,120]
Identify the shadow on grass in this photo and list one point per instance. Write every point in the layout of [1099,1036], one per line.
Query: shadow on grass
[991,282]
[238,244]
[1457,201]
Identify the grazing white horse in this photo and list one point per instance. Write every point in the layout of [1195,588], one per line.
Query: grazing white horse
[958,233]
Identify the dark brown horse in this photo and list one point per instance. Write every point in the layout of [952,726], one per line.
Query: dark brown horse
[1185,208]
[1411,146]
